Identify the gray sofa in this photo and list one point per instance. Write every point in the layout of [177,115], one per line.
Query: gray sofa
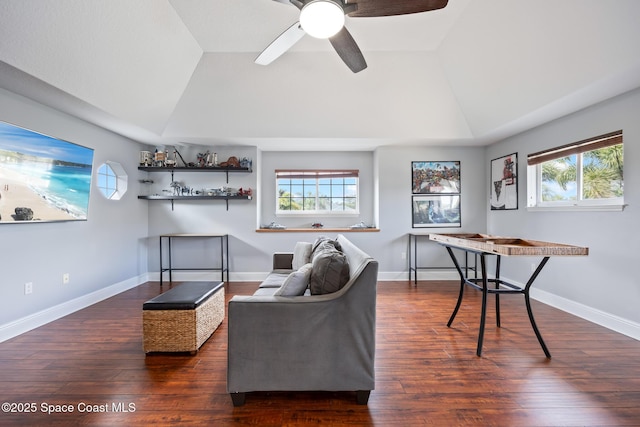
[311,342]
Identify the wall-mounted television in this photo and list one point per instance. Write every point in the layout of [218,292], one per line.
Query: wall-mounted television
[42,179]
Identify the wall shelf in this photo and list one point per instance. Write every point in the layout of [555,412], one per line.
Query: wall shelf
[172,198]
[310,229]
[225,170]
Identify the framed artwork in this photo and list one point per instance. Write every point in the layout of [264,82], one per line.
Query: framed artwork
[435,211]
[435,177]
[503,187]
[42,179]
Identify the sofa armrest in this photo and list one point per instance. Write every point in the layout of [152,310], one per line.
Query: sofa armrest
[283,260]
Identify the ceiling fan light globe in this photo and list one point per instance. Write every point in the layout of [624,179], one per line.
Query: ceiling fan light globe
[322,18]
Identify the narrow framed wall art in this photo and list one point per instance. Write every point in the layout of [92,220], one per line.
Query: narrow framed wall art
[503,188]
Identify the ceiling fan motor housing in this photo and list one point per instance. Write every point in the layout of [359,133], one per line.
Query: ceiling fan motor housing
[322,18]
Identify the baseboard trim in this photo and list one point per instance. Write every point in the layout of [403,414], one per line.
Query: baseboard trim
[27,323]
[602,318]
[593,315]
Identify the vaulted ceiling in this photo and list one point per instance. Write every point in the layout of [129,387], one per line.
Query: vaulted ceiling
[182,71]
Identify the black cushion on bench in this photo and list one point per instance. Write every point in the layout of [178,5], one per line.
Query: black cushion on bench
[186,296]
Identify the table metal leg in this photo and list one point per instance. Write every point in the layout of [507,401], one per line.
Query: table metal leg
[415,260]
[161,270]
[483,314]
[498,294]
[525,291]
[170,275]
[462,283]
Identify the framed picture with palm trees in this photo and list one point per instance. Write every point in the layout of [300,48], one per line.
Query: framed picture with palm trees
[503,188]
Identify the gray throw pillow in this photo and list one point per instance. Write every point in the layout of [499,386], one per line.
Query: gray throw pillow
[330,272]
[323,244]
[301,255]
[296,283]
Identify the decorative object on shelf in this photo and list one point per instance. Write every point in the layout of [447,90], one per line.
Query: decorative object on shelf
[361,224]
[145,158]
[435,177]
[246,163]
[435,211]
[203,159]
[503,188]
[275,226]
[317,225]
[158,158]
[232,162]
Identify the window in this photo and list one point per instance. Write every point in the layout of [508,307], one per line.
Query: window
[584,174]
[330,192]
[112,180]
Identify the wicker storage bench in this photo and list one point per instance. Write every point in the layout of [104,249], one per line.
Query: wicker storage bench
[183,318]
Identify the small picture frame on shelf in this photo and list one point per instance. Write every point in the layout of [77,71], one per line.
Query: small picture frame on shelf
[436,211]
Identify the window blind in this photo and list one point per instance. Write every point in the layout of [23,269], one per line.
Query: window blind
[316,174]
[602,141]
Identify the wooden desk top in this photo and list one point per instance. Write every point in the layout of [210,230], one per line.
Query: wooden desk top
[508,246]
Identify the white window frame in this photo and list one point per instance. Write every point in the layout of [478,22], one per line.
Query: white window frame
[534,177]
[120,183]
[317,175]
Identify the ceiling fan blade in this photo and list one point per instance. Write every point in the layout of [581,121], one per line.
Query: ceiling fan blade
[371,8]
[281,44]
[348,50]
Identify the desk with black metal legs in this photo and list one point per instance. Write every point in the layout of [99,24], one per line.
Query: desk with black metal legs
[413,258]
[224,254]
[484,246]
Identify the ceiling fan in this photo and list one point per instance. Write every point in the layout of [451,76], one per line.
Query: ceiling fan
[325,19]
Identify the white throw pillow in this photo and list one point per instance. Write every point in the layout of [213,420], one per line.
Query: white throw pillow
[296,283]
[301,255]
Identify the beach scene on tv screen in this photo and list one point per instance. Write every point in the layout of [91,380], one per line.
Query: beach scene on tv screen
[42,178]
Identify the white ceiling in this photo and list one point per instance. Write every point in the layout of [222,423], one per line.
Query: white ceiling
[182,71]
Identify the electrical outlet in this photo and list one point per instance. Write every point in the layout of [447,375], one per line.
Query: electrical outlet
[403,255]
[28,288]
[533,267]
[65,278]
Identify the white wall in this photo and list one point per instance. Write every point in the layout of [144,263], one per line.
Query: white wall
[207,217]
[118,245]
[109,249]
[603,286]
[251,251]
[394,169]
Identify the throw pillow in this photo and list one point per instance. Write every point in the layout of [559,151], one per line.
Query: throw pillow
[296,283]
[330,272]
[301,255]
[324,244]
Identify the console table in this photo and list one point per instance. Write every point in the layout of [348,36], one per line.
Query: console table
[224,254]
[486,245]
[413,258]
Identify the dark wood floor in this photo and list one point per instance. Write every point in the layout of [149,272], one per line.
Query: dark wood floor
[426,373]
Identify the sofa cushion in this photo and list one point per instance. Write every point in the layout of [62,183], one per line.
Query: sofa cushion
[275,279]
[296,283]
[301,254]
[329,272]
